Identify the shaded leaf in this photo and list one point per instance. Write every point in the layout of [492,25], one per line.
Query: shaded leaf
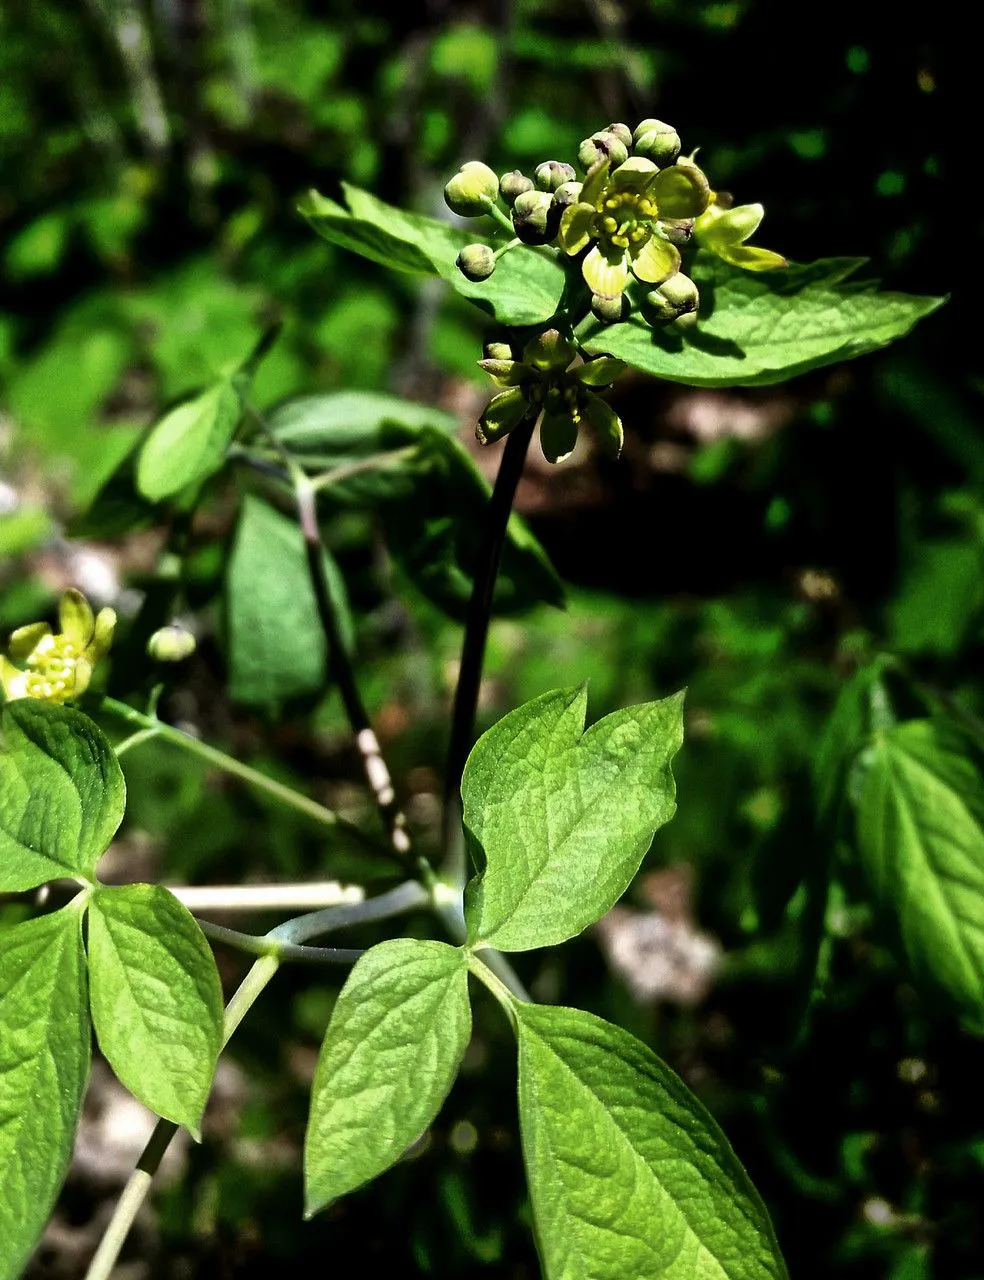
[189,443]
[276,644]
[921,842]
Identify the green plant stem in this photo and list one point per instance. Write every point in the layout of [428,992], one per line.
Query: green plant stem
[478,965]
[255,945]
[383,907]
[477,620]
[135,1191]
[150,727]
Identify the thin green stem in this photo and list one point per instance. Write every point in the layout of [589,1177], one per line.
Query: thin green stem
[135,1191]
[478,617]
[383,907]
[483,972]
[228,764]
[256,945]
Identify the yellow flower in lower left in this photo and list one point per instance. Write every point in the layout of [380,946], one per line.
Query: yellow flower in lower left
[57,666]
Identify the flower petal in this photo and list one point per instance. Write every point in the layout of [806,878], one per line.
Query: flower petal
[680,191]
[606,423]
[75,618]
[750,258]
[558,436]
[723,231]
[575,227]
[83,674]
[504,411]
[14,682]
[505,373]
[656,261]
[25,640]
[102,636]
[595,182]
[599,372]
[605,277]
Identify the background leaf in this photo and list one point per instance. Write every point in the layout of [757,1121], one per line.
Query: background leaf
[156,998]
[62,794]
[758,328]
[921,842]
[276,644]
[391,1053]
[189,443]
[563,818]
[44,1066]
[629,1174]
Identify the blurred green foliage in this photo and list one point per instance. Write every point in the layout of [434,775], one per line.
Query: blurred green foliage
[761,548]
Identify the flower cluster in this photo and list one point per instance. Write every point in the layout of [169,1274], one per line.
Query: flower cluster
[640,201]
[57,666]
[541,382]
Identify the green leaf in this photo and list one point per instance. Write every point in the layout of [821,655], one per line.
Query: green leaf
[345,426]
[563,818]
[62,794]
[757,328]
[44,1066]
[156,998]
[397,1036]
[629,1174]
[276,645]
[525,289]
[437,540]
[921,843]
[189,443]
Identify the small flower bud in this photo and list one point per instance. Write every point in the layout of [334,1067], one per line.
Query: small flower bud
[609,310]
[602,146]
[657,141]
[536,217]
[171,644]
[622,132]
[498,351]
[568,193]
[549,352]
[552,174]
[471,189]
[476,262]
[678,296]
[513,184]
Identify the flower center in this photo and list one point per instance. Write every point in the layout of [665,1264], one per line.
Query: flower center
[51,669]
[624,220]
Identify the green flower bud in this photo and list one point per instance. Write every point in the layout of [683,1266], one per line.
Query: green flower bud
[536,217]
[498,351]
[471,189]
[552,174]
[657,141]
[171,644]
[602,146]
[609,310]
[568,193]
[678,296]
[476,262]
[622,132]
[513,184]
[549,352]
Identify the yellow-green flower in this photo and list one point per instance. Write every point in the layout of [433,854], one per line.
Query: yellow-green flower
[724,230]
[621,213]
[57,666]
